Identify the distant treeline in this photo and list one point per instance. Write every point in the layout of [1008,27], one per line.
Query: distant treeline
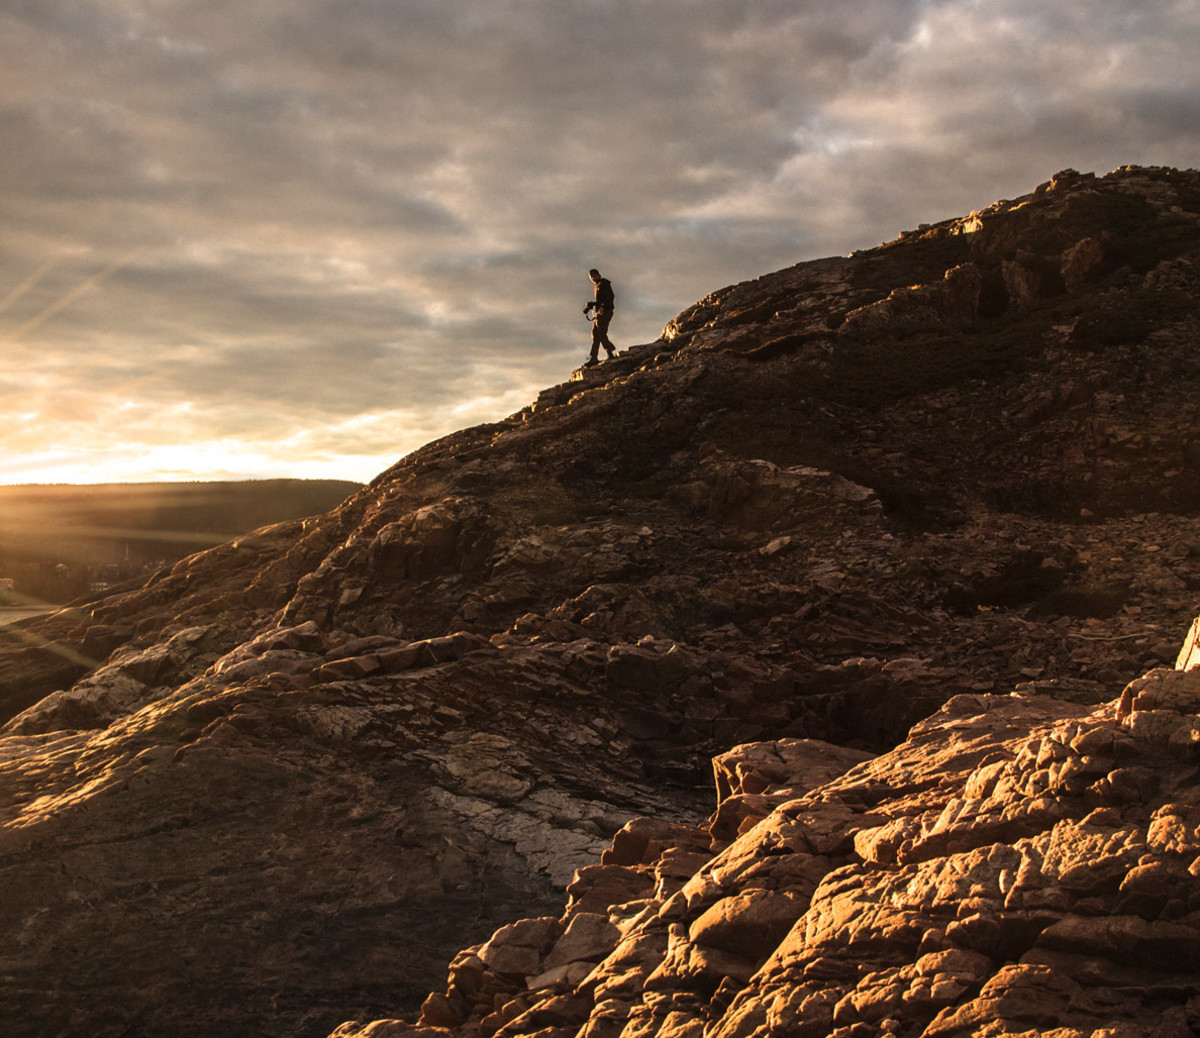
[59,541]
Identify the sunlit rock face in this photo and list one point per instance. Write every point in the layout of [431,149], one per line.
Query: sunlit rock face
[287,782]
[1019,865]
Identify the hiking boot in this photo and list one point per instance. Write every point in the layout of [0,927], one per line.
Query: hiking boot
[590,362]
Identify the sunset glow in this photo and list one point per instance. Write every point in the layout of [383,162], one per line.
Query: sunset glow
[308,240]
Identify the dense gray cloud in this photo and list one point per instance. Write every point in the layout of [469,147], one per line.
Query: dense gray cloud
[269,239]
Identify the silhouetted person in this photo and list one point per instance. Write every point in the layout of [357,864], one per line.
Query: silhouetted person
[603,307]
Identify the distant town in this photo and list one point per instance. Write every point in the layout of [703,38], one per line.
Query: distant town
[60,543]
[47,581]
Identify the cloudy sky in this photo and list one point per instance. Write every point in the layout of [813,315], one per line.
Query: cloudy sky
[253,238]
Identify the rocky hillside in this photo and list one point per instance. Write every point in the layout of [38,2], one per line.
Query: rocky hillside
[282,785]
[1019,866]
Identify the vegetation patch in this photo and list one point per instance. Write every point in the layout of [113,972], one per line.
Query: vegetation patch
[541,503]
[1083,601]
[874,372]
[915,259]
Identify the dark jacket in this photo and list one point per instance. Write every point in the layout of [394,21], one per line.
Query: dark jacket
[605,300]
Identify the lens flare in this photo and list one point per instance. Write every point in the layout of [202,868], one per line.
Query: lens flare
[63,301]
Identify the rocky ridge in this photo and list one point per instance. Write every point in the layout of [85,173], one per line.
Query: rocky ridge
[283,784]
[1018,866]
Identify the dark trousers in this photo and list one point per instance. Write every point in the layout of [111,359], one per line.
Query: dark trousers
[600,333]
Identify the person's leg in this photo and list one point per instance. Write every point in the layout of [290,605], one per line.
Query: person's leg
[600,334]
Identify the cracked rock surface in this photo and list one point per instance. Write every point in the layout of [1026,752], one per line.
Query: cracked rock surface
[287,781]
[1018,865]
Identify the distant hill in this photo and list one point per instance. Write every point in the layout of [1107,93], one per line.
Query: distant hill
[58,541]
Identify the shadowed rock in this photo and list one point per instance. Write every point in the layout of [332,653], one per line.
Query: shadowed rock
[285,782]
[1019,864]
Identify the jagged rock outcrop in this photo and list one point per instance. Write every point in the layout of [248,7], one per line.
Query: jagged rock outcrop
[1018,865]
[282,784]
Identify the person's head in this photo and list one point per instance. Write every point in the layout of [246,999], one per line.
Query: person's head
[594,274]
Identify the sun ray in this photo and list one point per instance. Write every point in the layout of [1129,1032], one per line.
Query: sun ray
[68,298]
[36,641]
[16,293]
